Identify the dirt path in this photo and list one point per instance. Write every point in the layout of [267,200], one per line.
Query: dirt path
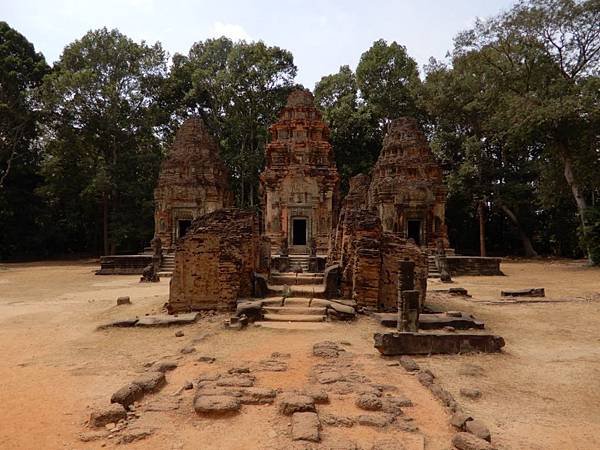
[542,393]
[56,367]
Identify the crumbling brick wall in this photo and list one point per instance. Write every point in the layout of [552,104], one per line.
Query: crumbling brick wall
[215,261]
[370,258]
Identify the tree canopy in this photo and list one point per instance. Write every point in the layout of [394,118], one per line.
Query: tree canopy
[512,114]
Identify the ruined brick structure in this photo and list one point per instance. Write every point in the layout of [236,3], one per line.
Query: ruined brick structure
[215,261]
[369,257]
[300,182]
[407,189]
[193,181]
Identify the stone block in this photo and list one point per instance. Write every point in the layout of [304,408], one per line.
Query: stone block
[426,343]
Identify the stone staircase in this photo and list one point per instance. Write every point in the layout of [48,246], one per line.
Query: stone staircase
[294,309]
[167,266]
[433,271]
[299,263]
[296,296]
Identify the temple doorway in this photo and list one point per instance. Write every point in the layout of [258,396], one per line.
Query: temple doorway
[414,231]
[182,227]
[299,229]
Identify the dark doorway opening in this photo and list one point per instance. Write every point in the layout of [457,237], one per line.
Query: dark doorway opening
[183,226]
[414,231]
[299,232]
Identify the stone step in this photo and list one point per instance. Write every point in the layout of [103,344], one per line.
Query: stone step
[295,310]
[294,317]
[305,302]
[294,326]
[165,274]
[296,279]
[300,290]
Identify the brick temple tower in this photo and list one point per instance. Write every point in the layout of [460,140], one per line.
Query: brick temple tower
[193,181]
[300,183]
[407,188]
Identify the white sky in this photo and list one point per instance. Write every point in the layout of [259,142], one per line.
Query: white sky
[322,35]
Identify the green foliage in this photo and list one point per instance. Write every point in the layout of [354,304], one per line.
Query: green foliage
[102,140]
[388,80]
[21,71]
[355,133]
[238,88]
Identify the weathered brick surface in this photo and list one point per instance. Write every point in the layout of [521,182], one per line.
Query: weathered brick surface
[370,259]
[215,260]
[407,184]
[300,178]
[193,181]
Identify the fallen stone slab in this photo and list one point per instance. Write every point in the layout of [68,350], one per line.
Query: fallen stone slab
[123,301]
[187,350]
[533,292]
[151,381]
[400,402]
[127,395]
[390,344]
[217,405]
[468,441]
[329,377]
[369,402]
[388,444]
[409,364]
[119,323]
[165,366]
[237,381]
[305,427]
[107,414]
[272,365]
[478,428]
[434,321]
[91,436]
[135,433]
[165,320]
[459,419]
[337,421]
[341,311]
[444,396]
[471,393]
[290,403]
[327,349]
[317,394]
[425,378]
[375,420]
[246,395]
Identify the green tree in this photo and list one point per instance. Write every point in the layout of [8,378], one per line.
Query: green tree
[543,58]
[388,79]
[102,140]
[21,72]
[238,88]
[355,133]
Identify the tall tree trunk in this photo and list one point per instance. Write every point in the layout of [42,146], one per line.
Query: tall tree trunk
[105,223]
[527,245]
[481,214]
[576,191]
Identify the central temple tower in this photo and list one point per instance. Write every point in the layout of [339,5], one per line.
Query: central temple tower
[300,183]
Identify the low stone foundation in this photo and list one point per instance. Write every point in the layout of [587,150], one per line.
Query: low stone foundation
[123,264]
[390,344]
[474,265]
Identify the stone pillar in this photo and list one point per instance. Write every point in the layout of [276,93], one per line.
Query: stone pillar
[408,298]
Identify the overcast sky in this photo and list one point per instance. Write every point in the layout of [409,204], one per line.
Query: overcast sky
[322,35]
